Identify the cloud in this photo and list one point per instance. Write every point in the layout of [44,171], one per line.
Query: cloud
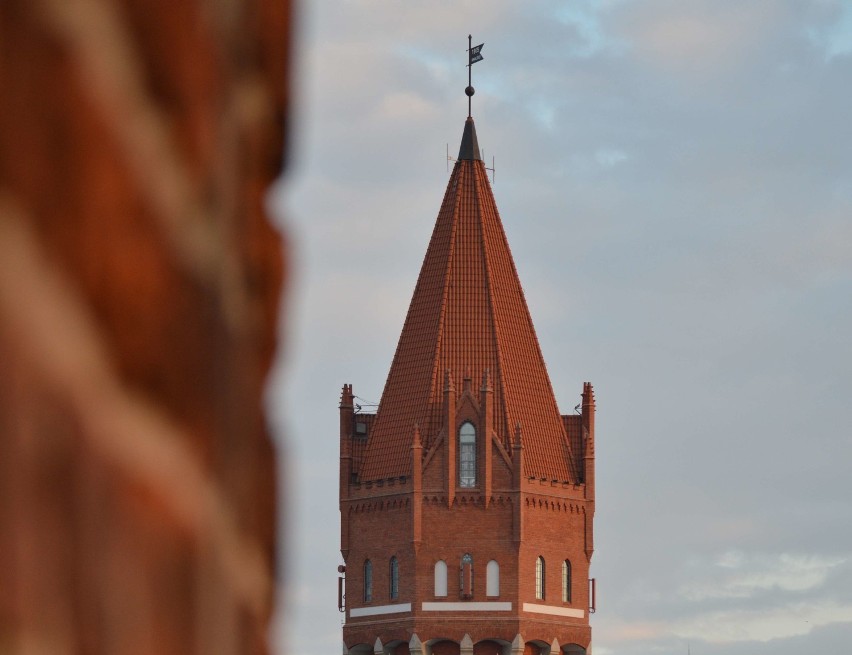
[587,18]
[762,624]
[407,105]
[609,157]
[743,576]
[674,181]
[700,38]
[834,35]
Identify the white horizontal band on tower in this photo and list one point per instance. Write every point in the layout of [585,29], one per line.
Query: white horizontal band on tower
[556,611]
[380,609]
[493,606]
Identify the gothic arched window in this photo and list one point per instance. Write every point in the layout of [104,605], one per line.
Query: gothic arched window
[492,579]
[467,455]
[440,578]
[466,576]
[394,578]
[539,578]
[566,581]
[368,580]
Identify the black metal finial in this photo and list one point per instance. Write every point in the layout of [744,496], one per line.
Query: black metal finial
[473,55]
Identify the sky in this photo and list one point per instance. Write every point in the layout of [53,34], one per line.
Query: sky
[675,180]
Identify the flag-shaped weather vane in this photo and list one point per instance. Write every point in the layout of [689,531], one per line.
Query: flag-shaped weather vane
[474,54]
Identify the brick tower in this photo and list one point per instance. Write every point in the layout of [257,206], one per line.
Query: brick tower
[467,500]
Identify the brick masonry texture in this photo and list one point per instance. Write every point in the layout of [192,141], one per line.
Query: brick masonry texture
[533,492]
[139,287]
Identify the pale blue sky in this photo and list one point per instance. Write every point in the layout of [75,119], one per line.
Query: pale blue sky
[675,179]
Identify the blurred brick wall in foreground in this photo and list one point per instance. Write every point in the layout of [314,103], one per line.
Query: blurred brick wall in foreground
[139,285]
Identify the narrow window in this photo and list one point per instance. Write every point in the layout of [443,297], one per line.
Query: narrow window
[440,578]
[368,581]
[492,579]
[566,581]
[466,576]
[539,578]
[394,578]
[467,455]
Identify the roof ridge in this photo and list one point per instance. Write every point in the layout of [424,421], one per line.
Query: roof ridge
[499,373]
[368,447]
[436,363]
[538,352]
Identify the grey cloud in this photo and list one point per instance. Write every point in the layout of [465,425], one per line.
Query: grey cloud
[703,282]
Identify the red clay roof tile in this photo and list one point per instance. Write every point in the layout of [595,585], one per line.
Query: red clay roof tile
[468,312]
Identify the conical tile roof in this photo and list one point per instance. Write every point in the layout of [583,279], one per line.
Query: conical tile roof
[468,315]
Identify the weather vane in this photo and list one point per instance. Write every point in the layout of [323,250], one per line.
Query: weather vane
[474,54]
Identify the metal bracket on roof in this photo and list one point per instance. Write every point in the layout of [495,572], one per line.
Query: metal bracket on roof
[364,403]
[493,170]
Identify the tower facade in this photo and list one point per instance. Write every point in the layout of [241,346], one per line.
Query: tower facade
[467,500]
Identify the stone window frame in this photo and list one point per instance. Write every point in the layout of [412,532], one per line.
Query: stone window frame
[466,576]
[540,572]
[566,581]
[467,455]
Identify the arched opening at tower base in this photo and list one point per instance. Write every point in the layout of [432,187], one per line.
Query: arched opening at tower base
[445,647]
[491,647]
[398,648]
[536,648]
[360,649]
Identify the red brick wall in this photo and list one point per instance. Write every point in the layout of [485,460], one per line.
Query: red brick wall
[139,286]
[554,529]
[489,647]
[500,470]
[449,533]
[445,648]
[556,533]
[435,472]
[379,529]
[554,523]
